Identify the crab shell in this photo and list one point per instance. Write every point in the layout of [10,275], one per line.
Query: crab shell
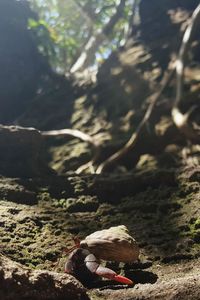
[113,244]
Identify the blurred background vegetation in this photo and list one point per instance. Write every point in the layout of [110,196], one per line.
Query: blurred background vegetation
[64,28]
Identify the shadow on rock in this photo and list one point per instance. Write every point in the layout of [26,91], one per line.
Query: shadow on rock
[139,276]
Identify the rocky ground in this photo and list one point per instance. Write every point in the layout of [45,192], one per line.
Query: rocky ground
[154,191]
[160,208]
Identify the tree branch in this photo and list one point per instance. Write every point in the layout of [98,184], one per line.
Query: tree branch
[133,139]
[88,54]
[71,132]
[180,119]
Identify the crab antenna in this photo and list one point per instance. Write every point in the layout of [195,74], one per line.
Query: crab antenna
[76,241]
[69,250]
[77,245]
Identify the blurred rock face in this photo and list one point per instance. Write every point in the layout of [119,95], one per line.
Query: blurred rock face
[21,152]
[20,62]
[162,27]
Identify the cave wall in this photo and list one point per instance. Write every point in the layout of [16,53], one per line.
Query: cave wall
[21,64]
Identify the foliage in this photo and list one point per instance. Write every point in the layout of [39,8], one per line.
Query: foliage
[64,27]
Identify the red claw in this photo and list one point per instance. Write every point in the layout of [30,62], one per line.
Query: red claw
[106,272]
[122,279]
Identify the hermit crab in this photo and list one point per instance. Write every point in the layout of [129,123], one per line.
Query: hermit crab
[113,244]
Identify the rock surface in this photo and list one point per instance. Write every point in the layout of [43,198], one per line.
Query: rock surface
[19,282]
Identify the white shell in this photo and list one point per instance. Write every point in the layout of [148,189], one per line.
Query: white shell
[113,244]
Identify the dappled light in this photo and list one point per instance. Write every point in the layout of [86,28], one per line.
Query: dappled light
[99,149]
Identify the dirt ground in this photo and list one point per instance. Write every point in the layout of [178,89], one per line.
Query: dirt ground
[160,208]
[155,191]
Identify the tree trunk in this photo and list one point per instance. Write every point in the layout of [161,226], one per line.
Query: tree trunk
[88,54]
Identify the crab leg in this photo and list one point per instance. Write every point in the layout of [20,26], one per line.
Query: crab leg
[94,267]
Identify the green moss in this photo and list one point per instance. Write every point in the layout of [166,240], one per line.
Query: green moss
[80,204]
[197,224]
[193,230]
[58,232]
[44,196]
